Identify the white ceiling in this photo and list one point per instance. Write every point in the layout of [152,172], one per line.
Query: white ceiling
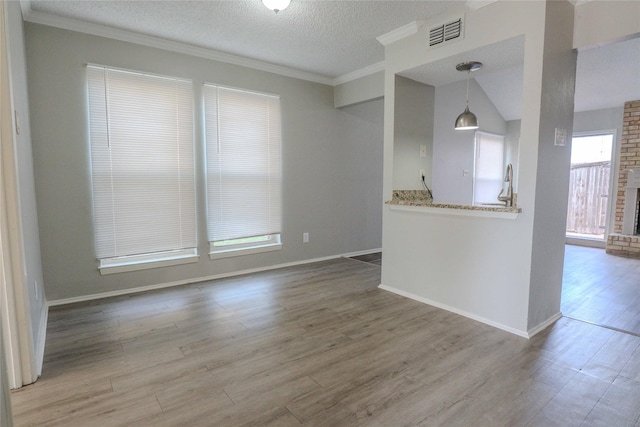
[500,76]
[606,76]
[333,38]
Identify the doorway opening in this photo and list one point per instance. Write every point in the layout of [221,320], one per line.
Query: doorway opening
[589,188]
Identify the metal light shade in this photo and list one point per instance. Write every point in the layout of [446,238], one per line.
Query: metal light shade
[466,121]
[276,5]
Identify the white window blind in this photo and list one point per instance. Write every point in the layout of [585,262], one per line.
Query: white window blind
[142,158]
[243,163]
[489,167]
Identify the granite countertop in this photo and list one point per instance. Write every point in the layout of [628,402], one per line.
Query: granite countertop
[422,198]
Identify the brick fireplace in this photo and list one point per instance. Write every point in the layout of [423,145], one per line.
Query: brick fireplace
[625,239]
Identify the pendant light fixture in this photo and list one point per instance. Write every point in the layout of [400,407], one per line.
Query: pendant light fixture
[276,5]
[467,120]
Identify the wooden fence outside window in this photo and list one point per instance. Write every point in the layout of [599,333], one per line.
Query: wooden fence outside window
[588,198]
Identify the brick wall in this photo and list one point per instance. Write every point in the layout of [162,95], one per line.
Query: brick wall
[618,244]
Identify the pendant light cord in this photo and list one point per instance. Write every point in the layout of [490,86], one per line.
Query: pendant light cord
[468,75]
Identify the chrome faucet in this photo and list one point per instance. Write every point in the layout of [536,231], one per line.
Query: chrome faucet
[508,198]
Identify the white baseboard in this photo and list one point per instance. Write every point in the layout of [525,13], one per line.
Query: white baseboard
[523,334]
[542,326]
[590,243]
[84,298]
[360,253]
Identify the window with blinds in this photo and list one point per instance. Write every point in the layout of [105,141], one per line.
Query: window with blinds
[489,168]
[142,168]
[243,139]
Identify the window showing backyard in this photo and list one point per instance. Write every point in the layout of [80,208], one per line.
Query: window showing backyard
[589,185]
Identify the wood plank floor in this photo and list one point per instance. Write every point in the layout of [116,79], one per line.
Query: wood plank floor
[319,345]
[602,289]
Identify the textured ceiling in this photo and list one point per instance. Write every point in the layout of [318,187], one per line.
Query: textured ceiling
[608,76]
[331,38]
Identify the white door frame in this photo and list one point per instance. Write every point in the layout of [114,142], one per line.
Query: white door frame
[17,342]
[613,180]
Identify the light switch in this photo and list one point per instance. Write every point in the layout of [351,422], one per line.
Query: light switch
[561,137]
[423,150]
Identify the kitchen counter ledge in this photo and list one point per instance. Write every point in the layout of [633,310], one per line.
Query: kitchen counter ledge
[419,201]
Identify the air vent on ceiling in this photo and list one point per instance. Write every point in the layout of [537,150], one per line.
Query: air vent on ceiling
[445,32]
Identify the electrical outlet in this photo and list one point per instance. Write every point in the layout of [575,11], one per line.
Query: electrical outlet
[305,237]
[422,175]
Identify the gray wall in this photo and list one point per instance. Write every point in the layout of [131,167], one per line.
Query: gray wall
[413,127]
[361,134]
[549,227]
[359,90]
[454,151]
[608,119]
[512,149]
[331,162]
[28,213]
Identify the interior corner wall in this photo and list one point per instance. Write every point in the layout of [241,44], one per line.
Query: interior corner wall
[454,151]
[512,148]
[328,156]
[33,275]
[360,90]
[552,177]
[361,138]
[414,121]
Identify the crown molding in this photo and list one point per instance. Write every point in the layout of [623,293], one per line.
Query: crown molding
[160,43]
[398,34]
[363,72]
[25,6]
[579,2]
[477,4]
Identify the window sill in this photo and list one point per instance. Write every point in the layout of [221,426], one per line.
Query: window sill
[228,253]
[123,267]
